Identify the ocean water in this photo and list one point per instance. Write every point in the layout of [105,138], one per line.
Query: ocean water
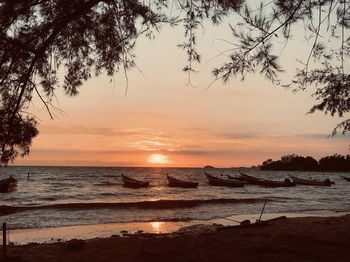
[64,196]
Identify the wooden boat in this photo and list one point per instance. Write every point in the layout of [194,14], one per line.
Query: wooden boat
[265,182]
[133,183]
[8,185]
[249,179]
[174,182]
[346,178]
[216,181]
[311,182]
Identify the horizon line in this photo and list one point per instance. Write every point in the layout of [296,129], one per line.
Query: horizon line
[252,166]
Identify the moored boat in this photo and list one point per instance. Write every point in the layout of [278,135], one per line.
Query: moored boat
[346,178]
[174,182]
[133,183]
[265,182]
[216,181]
[8,185]
[311,182]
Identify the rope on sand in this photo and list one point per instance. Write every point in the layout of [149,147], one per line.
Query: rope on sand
[240,222]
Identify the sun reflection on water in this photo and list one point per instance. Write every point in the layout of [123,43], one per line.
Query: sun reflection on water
[156,226]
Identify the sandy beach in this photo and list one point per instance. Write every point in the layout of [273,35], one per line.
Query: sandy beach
[285,239]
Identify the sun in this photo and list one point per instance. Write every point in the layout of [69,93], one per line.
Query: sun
[157,159]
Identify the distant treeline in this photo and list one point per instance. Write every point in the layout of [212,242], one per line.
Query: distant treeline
[300,163]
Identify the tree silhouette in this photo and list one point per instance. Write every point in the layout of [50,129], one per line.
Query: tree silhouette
[335,163]
[300,163]
[18,141]
[87,37]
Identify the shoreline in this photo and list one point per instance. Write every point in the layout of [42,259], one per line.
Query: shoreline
[285,239]
[91,231]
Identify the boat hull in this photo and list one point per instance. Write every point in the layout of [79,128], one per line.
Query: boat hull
[346,178]
[264,182]
[174,182]
[8,185]
[183,185]
[311,182]
[215,181]
[133,183]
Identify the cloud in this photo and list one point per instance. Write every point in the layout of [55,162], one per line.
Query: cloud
[326,136]
[68,162]
[82,152]
[259,135]
[98,131]
[193,152]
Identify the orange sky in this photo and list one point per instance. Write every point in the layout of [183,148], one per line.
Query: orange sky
[238,124]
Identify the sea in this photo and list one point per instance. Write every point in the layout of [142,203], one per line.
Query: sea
[69,196]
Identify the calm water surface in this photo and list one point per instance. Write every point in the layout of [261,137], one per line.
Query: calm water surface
[58,196]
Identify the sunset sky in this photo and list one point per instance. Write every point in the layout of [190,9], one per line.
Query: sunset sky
[237,124]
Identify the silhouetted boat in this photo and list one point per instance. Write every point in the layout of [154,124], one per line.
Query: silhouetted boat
[133,183]
[8,185]
[216,181]
[346,178]
[311,182]
[264,182]
[174,182]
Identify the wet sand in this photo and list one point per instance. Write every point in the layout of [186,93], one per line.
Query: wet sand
[66,233]
[292,239]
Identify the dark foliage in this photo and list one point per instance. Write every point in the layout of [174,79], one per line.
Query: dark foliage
[299,163]
[257,48]
[335,163]
[18,134]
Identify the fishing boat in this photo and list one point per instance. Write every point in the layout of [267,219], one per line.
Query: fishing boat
[311,182]
[249,179]
[346,178]
[265,182]
[216,181]
[133,183]
[8,185]
[174,182]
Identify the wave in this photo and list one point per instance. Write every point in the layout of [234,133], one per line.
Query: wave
[157,204]
[107,183]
